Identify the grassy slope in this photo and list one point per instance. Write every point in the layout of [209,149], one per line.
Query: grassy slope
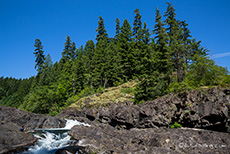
[119,94]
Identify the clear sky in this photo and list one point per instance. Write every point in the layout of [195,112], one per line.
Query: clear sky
[23,21]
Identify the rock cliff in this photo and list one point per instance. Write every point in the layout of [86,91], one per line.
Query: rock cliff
[208,109]
[145,128]
[11,119]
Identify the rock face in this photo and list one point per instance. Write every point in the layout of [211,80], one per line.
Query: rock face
[29,120]
[208,109]
[109,140]
[11,119]
[144,128]
[12,140]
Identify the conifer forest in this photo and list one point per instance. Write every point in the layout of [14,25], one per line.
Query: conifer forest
[163,59]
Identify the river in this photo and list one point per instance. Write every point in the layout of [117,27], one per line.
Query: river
[50,140]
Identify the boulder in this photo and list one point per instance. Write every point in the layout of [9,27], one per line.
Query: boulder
[12,140]
[29,120]
[72,150]
[12,119]
[109,140]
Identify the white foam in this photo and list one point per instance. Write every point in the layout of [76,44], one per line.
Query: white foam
[71,123]
[50,141]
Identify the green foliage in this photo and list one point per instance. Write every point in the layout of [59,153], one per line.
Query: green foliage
[86,92]
[39,54]
[176,125]
[127,90]
[13,91]
[176,87]
[68,53]
[204,72]
[100,90]
[150,87]
[125,51]
[170,61]
[186,111]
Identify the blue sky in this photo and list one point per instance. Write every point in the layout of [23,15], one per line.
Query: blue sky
[23,21]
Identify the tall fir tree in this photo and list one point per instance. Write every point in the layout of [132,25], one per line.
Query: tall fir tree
[39,54]
[137,26]
[162,63]
[146,34]
[79,71]
[125,50]
[118,29]
[68,52]
[47,76]
[137,44]
[101,32]
[174,34]
[90,50]
[100,55]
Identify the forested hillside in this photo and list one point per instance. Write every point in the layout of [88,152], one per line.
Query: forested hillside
[164,58]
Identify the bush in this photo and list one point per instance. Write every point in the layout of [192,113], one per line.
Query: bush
[176,125]
[100,90]
[178,87]
[86,92]
[151,87]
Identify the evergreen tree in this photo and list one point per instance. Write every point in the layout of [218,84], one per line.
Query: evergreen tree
[112,65]
[138,47]
[73,52]
[89,49]
[162,63]
[101,32]
[137,26]
[176,49]
[47,76]
[146,34]
[79,70]
[118,29]
[125,50]
[148,50]
[68,51]
[171,23]
[39,54]
[100,55]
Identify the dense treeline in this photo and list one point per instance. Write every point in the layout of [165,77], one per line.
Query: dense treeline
[165,59]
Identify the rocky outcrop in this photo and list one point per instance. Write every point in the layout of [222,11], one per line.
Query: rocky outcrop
[12,140]
[207,109]
[109,140]
[29,120]
[11,119]
[72,150]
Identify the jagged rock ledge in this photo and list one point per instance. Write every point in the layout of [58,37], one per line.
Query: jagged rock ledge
[144,128]
[109,140]
[11,139]
[208,109]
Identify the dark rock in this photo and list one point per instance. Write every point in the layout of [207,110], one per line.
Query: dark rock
[208,109]
[29,120]
[12,140]
[107,139]
[12,119]
[71,150]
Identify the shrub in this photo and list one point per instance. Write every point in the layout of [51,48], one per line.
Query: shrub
[176,125]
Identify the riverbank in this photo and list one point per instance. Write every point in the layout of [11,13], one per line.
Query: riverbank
[123,127]
[146,128]
[11,139]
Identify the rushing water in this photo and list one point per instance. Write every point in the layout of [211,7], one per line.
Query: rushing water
[50,140]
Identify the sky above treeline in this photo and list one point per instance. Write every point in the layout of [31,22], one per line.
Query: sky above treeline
[23,21]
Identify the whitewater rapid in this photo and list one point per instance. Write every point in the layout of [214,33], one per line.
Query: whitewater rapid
[49,141]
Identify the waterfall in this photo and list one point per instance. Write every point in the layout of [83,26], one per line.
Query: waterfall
[50,140]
